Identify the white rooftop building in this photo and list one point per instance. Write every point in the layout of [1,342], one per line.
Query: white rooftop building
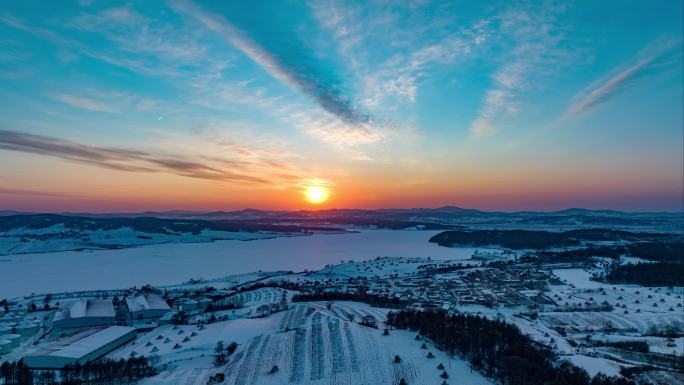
[146,306]
[81,348]
[189,305]
[86,313]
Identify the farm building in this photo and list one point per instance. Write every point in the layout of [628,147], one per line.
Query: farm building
[204,303]
[86,313]
[189,305]
[167,318]
[147,306]
[81,348]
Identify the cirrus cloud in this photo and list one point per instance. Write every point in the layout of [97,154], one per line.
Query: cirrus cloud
[121,159]
[656,55]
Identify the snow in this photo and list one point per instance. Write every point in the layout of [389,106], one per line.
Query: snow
[594,365]
[60,238]
[577,277]
[93,308]
[171,263]
[85,343]
[147,302]
[310,344]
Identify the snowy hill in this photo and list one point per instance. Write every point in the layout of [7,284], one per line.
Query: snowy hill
[37,233]
[309,343]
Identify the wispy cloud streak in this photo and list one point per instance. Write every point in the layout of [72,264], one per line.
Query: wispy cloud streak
[652,57]
[419,49]
[84,103]
[35,193]
[291,65]
[536,47]
[117,158]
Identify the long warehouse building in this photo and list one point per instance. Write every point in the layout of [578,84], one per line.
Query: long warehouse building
[81,348]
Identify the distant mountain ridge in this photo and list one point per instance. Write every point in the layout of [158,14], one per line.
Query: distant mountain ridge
[26,233]
[259,213]
[439,218]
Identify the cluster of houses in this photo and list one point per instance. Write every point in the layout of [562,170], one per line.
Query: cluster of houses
[488,286]
[17,324]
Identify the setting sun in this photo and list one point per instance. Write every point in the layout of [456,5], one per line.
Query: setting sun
[316,194]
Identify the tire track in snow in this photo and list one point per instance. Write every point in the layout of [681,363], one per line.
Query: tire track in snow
[247,362]
[317,348]
[353,357]
[338,358]
[257,370]
[298,351]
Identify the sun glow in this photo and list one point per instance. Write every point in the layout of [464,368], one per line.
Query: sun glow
[316,194]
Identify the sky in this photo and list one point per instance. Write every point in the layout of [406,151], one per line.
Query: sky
[205,105]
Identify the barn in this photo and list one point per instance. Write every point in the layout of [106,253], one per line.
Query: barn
[147,306]
[86,313]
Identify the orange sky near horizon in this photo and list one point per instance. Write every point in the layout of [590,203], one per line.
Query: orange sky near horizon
[106,191]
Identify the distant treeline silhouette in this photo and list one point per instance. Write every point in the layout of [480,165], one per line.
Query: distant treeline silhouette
[100,372]
[658,251]
[648,274]
[373,300]
[586,254]
[529,239]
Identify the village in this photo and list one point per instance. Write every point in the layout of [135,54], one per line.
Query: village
[58,331]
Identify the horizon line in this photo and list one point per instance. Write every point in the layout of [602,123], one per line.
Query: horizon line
[132,212]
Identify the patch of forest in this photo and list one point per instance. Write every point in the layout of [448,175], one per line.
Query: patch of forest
[658,251]
[533,239]
[648,274]
[497,349]
[586,254]
[100,372]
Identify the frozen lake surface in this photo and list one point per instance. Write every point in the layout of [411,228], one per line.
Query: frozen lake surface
[174,263]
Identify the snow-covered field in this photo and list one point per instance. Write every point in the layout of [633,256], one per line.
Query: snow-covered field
[309,343]
[577,278]
[172,263]
[595,365]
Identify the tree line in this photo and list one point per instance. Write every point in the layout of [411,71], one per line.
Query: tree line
[100,372]
[373,300]
[658,251]
[648,274]
[497,349]
[581,255]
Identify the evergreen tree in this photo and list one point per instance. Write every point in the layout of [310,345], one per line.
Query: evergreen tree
[219,354]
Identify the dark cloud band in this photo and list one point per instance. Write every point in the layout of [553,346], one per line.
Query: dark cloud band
[117,158]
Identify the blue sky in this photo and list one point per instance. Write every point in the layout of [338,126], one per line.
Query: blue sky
[221,105]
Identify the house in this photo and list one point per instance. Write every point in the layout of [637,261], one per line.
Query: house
[204,303]
[189,305]
[147,306]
